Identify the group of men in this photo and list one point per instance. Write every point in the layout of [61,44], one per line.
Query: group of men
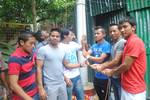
[52,63]
[51,72]
[127,66]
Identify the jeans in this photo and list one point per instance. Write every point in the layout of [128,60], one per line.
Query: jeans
[116,84]
[76,88]
[101,87]
[36,97]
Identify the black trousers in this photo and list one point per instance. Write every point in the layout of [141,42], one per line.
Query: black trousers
[101,88]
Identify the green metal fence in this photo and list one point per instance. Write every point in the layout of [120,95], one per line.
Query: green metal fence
[104,6]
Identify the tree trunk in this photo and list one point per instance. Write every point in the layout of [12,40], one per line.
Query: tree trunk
[34,15]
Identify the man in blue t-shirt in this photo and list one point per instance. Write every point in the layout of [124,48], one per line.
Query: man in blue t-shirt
[116,57]
[99,53]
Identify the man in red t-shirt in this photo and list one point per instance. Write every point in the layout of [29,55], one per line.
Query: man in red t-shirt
[133,65]
[22,70]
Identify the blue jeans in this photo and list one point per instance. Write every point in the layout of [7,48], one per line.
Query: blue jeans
[116,84]
[36,97]
[76,88]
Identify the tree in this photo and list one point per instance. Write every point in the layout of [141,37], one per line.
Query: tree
[34,15]
[32,11]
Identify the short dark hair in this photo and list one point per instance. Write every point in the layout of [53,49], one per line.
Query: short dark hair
[25,36]
[102,29]
[64,32]
[113,24]
[38,36]
[128,19]
[56,30]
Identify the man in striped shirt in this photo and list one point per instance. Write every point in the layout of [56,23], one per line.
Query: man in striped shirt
[22,69]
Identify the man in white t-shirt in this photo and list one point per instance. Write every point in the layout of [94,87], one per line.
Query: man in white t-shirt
[73,79]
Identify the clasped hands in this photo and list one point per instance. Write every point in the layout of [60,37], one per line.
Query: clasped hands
[100,68]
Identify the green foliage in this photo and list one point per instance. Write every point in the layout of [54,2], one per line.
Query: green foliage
[21,10]
[62,4]
[57,11]
[15,10]
[6,50]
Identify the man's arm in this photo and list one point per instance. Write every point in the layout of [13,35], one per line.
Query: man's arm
[87,54]
[42,91]
[84,43]
[69,65]
[13,79]
[115,60]
[98,59]
[68,81]
[109,64]
[122,68]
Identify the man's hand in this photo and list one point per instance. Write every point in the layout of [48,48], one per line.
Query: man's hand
[94,66]
[68,82]
[85,54]
[100,67]
[28,98]
[108,72]
[87,63]
[42,93]
[84,64]
[97,67]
